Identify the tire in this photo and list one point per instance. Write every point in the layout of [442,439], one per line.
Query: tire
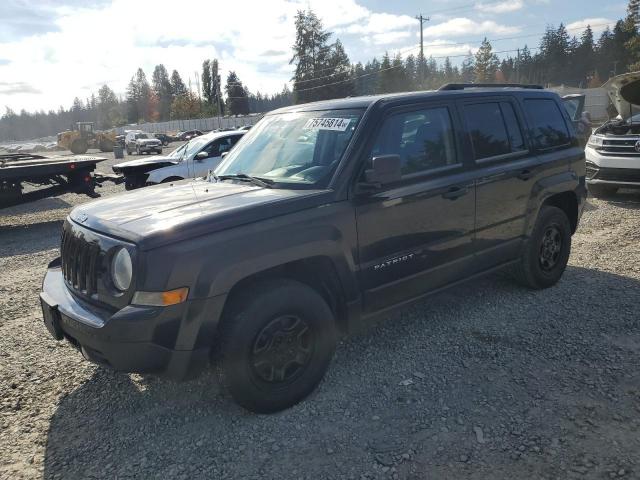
[546,251]
[264,377]
[79,146]
[106,146]
[602,191]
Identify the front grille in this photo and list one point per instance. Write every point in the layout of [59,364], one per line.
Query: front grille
[80,262]
[619,147]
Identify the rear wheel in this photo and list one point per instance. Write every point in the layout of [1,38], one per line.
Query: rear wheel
[601,191]
[277,341]
[547,250]
[79,146]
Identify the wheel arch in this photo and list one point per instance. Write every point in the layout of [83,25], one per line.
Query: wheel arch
[318,272]
[568,203]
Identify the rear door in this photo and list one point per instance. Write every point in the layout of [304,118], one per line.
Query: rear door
[505,169]
[415,235]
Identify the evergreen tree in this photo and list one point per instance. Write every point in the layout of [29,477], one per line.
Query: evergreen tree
[339,67]
[311,55]
[163,91]
[177,85]
[468,68]
[486,63]
[207,91]
[108,108]
[410,72]
[237,97]
[138,98]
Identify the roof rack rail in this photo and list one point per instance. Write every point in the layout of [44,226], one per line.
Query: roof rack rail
[462,86]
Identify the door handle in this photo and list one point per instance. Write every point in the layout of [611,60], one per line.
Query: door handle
[525,175]
[455,192]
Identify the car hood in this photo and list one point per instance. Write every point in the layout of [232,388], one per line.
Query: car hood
[143,165]
[167,213]
[145,161]
[624,92]
[147,140]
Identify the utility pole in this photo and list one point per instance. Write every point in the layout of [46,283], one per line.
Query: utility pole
[421,19]
[421,62]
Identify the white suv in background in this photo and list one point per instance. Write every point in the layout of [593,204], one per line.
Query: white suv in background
[613,150]
[140,142]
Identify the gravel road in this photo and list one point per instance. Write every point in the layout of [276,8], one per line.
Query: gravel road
[489,380]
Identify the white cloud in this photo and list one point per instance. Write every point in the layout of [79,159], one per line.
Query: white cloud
[442,48]
[87,47]
[465,26]
[389,37]
[598,24]
[500,7]
[382,23]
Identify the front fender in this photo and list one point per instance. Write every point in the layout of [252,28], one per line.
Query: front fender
[160,174]
[546,187]
[211,265]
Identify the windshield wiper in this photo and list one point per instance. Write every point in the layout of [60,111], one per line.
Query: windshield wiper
[261,182]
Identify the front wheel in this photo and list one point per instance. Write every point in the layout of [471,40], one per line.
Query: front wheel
[546,252]
[277,341]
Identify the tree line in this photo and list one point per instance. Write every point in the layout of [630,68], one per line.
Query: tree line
[323,71]
[166,97]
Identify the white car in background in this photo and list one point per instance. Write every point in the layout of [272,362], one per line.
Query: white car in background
[613,150]
[193,159]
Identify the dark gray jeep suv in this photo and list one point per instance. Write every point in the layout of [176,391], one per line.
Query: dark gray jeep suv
[323,217]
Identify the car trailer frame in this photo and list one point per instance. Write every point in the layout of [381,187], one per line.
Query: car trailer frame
[50,177]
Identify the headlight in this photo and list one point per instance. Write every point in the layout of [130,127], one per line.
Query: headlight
[121,269]
[595,141]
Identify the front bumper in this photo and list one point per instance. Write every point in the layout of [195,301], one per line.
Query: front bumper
[616,171]
[171,341]
[150,148]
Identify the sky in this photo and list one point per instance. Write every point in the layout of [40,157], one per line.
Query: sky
[53,51]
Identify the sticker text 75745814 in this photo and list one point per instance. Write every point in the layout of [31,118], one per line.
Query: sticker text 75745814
[338,124]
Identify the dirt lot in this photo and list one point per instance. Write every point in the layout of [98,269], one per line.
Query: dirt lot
[487,381]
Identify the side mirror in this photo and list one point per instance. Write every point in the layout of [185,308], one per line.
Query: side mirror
[384,169]
[201,156]
[224,154]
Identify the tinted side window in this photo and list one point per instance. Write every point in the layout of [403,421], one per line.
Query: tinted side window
[547,123]
[424,139]
[487,129]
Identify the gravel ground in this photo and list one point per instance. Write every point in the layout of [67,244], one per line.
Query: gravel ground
[489,380]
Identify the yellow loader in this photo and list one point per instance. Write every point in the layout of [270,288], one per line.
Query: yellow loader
[83,137]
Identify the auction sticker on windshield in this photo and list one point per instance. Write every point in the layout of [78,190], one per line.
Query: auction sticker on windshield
[324,123]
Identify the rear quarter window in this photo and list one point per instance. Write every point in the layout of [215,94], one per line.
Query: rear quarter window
[548,128]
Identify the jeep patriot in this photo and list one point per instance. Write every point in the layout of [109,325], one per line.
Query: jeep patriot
[324,216]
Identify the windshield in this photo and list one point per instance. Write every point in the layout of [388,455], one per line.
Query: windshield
[178,152]
[302,147]
[196,144]
[142,135]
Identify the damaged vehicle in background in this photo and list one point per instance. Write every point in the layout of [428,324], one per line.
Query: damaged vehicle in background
[193,159]
[613,150]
